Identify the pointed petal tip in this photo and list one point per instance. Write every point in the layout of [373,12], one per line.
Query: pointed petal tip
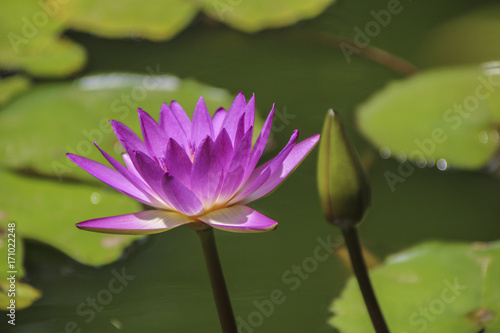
[120,232]
[315,138]
[141,223]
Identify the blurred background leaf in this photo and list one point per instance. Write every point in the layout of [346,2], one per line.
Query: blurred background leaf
[30,40]
[46,211]
[468,39]
[12,86]
[449,115]
[257,15]
[156,20]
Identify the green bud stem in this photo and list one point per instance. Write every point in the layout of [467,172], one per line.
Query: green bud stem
[358,264]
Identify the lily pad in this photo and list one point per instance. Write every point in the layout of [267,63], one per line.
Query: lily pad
[158,20]
[163,20]
[433,287]
[468,39]
[46,210]
[39,128]
[31,40]
[449,115]
[253,16]
[11,87]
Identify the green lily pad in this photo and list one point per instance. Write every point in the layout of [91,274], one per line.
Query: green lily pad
[39,128]
[163,20]
[12,86]
[157,21]
[433,287]
[468,39]
[253,16]
[46,210]
[32,41]
[447,115]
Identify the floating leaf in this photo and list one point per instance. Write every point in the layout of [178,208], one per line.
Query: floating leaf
[38,129]
[46,210]
[448,114]
[163,20]
[468,39]
[158,20]
[253,16]
[433,287]
[31,41]
[12,86]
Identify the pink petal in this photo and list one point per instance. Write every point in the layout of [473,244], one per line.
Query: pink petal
[178,163]
[176,124]
[132,177]
[218,119]
[181,198]
[129,140]
[240,131]
[234,114]
[260,144]
[154,137]
[296,156]
[152,174]
[250,113]
[262,173]
[236,169]
[206,175]
[130,165]
[225,148]
[111,177]
[239,219]
[202,123]
[146,222]
[181,116]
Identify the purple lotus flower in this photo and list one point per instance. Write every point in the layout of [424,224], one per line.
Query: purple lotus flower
[202,170]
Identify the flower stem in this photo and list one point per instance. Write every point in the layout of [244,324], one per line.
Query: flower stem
[217,281]
[358,264]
